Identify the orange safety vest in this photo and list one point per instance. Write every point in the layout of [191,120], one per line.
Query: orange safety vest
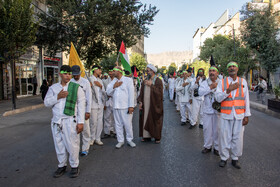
[238,102]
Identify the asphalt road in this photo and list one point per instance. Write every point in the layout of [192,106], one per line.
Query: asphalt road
[27,156]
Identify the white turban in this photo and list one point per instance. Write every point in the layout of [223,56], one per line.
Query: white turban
[152,67]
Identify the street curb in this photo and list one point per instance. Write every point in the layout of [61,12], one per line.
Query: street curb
[24,109]
[263,108]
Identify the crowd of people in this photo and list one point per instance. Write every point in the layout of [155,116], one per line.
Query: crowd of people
[218,105]
[102,105]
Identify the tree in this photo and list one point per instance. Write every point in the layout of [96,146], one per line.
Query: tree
[259,32]
[200,64]
[17,32]
[96,27]
[108,61]
[222,49]
[127,21]
[172,68]
[183,67]
[162,70]
[139,61]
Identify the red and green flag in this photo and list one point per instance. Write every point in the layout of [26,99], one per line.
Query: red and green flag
[124,58]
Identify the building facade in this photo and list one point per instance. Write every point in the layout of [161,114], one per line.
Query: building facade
[202,34]
[137,48]
[35,63]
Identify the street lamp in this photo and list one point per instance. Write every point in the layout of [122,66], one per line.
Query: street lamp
[233,34]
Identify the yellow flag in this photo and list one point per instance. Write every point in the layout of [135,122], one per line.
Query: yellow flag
[74,59]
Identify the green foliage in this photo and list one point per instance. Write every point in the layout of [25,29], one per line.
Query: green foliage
[17,28]
[222,49]
[276,91]
[200,64]
[162,70]
[183,67]
[139,61]
[172,68]
[96,27]
[128,20]
[108,61]
[259,32]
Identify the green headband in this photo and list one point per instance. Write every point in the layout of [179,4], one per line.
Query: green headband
[111,70]
[184,71]
[105,73]
[232,64]
[214,68]
[200,70]
[116,69]
[64,72]
[94,69]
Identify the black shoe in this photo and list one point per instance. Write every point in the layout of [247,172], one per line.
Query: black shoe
[200,126]
[205,150]
[115,135]
[59,172]
[222,163]
[191,126]
[235,164]
[106,136]
[74,172]
[216,152]
[183,123]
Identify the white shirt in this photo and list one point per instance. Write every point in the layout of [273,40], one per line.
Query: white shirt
[123,96]
[221,95]
[263,85]
[209,97]
[85,85]
[185,94]
[106,82]
[171,83]
[109,99]
[195,86]
[99,93]
[58,105]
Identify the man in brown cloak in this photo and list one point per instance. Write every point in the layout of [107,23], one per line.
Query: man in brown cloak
[151,106]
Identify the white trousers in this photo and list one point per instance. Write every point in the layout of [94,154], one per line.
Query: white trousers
[185,107]
[86,136]
[177,102]
[230,139]
[123,120]
[210,130]
[96,124]
[197,112]
[171,93]
[66,140]
[109,123]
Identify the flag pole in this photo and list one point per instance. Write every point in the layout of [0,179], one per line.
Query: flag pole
[118,59]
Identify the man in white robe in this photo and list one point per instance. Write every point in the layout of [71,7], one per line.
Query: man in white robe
[122,91]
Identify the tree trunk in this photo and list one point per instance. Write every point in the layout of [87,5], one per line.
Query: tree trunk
[1,81]
[12,65]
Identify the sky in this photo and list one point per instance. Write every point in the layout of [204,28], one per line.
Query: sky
[177,21]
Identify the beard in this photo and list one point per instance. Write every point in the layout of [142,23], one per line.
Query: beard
[149,76]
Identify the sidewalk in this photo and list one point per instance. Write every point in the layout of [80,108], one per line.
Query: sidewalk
[257,104]
[22,104]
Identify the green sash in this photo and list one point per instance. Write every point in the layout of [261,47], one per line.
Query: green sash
[71,99]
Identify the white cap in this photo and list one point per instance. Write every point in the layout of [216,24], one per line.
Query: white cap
[152,67]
